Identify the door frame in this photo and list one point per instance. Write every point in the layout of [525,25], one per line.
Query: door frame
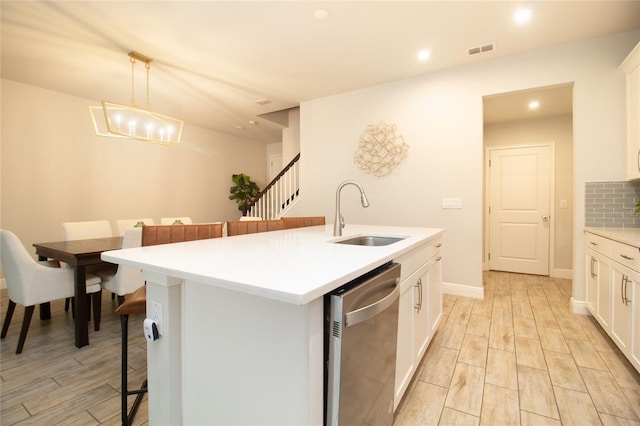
[552,197]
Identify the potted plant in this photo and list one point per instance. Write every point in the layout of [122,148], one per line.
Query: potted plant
[243,192]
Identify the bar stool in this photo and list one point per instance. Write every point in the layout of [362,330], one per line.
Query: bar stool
[136,303]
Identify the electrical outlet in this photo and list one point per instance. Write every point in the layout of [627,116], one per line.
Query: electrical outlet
[452,203]
[156,315]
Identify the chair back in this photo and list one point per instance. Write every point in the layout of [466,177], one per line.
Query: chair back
[124,224]
[17,264]
[171,220]
[300,222]
[28,282]
[166,234]
[86,230]
[237,227]
[128,278]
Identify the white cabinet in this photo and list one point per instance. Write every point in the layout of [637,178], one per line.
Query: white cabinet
[631,68]
[420,310]
[635,321]
[613,282]
[598,278]
[622,279]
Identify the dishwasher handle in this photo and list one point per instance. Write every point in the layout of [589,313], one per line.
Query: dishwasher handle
[366,312]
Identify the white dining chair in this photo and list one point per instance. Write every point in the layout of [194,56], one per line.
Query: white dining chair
[126,279]
[124,224]
[86,230]
[31,282]
[171,220]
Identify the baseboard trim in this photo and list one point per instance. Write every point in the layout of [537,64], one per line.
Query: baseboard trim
[563,273]
[579,307]
[463,290]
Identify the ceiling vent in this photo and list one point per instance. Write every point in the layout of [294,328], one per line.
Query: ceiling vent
[263,101]
[481,49]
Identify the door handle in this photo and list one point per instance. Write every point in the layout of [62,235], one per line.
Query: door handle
[545,218]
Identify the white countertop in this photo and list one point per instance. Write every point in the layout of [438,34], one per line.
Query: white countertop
[294,266]
[629,236]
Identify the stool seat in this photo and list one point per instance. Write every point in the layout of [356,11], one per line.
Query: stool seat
[136,303]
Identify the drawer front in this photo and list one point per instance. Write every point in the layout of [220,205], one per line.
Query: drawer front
[417,257]
[600,244]
[625,254]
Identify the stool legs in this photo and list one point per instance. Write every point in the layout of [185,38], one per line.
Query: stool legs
[127,417]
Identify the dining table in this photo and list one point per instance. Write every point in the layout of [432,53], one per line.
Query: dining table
[79,254]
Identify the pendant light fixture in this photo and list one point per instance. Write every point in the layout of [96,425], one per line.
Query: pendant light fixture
[132,122]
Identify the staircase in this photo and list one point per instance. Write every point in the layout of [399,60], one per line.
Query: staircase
[280,195]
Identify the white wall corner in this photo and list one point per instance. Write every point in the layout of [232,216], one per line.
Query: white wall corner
[579,307]
[463,290]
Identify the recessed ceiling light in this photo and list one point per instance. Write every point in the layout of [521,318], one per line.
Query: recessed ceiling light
[534,105]
[522,16]
[321,14]
[423,55]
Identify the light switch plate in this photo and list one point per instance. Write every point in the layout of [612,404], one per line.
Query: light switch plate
[452,203]
[156,315]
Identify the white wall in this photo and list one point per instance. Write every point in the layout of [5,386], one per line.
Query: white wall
[55,169]
[440,116]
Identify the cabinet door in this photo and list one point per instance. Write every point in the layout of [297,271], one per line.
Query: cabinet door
[404,355]
[603,284]
[421,314]
[635,324]
[435,295]
[633,123]
[592,280]
[622,287]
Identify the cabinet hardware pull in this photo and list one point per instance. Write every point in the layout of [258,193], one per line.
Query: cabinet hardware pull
[438,245]
[622,285]
[593,269]
[593,244]
[438,259]
[626,257]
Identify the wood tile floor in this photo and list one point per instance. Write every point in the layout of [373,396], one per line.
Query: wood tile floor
[520,357]
[517,357]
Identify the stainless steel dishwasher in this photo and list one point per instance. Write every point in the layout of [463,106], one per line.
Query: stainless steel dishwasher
[361,329]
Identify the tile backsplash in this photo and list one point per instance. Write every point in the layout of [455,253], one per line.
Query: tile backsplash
[612,204]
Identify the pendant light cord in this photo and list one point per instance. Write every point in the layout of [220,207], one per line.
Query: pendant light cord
[133,96]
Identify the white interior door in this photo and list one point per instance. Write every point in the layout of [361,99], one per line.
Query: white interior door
[275,165]
[519,209]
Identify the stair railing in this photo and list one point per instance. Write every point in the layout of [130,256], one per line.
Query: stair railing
[279,194]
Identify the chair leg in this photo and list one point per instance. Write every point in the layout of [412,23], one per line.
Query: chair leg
[26,321]
[7,318]
[120,299]
[97,309]
[66,304]
[113,296]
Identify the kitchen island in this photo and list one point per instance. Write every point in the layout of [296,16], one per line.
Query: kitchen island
[242,320]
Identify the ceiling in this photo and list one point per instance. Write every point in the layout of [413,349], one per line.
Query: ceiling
[212,60]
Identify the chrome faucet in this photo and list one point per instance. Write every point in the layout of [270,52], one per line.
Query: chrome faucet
[338,223]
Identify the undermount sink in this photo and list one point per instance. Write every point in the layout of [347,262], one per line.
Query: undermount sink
[370,240]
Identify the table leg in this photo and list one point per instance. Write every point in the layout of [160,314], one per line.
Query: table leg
[80,301]
[45,308]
